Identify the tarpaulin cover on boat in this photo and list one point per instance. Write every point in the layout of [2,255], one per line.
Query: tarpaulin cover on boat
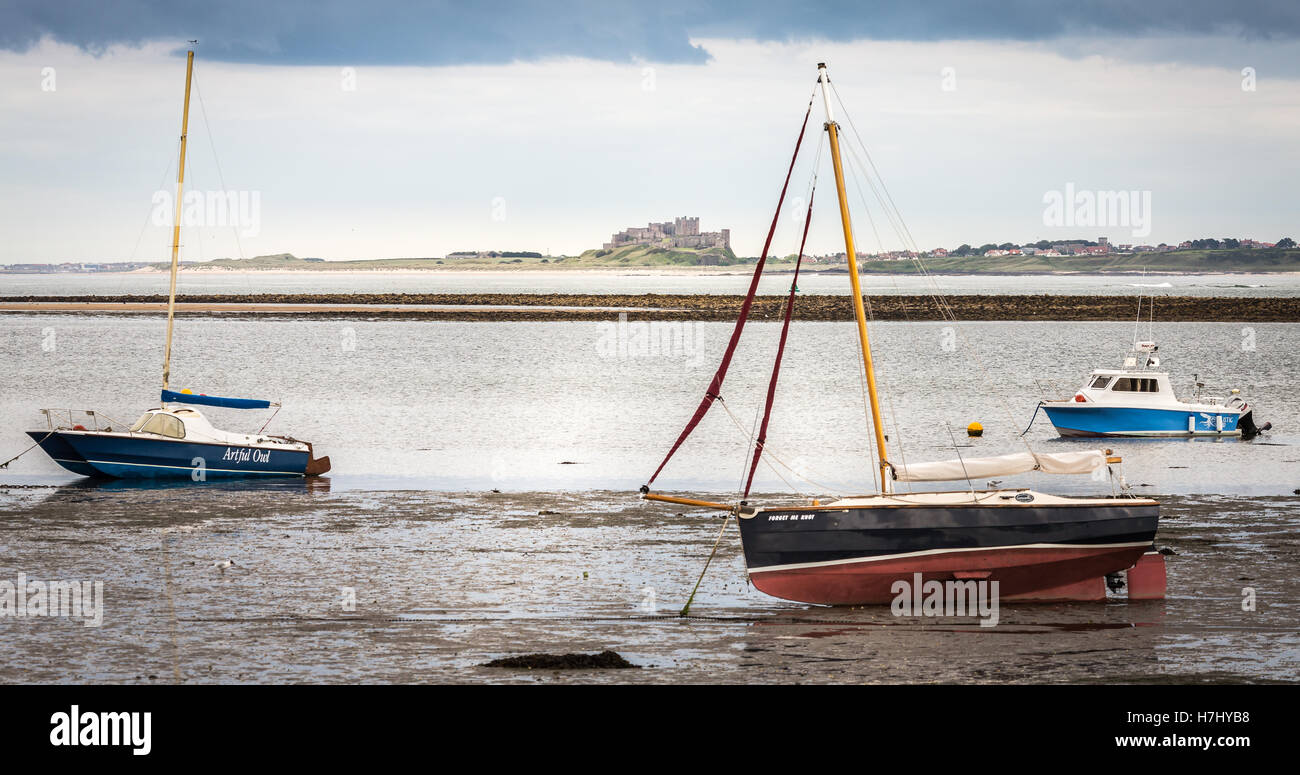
[1002,465]
[171,396]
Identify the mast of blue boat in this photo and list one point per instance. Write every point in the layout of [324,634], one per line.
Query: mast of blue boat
[859,311]
[176,224]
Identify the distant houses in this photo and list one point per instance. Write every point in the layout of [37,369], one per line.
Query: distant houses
[1045,249]
[79,267]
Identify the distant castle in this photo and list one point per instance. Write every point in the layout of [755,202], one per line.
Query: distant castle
[679,233]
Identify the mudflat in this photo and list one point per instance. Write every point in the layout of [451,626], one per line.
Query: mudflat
[429,587]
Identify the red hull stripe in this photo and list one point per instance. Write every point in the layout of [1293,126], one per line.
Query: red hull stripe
[1026,572]
[886,558]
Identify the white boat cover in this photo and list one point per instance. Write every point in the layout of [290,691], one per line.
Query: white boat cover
[1002,465]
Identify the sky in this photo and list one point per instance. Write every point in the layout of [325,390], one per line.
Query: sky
[383,129]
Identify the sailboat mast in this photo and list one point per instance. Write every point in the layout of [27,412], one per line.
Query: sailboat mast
[176,224]
[858,309]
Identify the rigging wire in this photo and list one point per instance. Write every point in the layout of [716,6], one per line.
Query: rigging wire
[149,214]
[749,444]
[714,391]
[809,191]
[884,374]
[221,178]
[886,201]
[199,202]
[736,421]
[793,471]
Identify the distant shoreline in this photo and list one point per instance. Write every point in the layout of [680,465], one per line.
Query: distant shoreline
[504,307]
[702,271]
[660,260]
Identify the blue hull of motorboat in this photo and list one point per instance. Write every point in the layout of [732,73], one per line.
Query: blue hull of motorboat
[1090,419]
[142,457]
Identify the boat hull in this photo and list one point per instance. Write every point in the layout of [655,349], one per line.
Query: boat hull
[1097,420]
[61,452]
[121,456]
[854,556]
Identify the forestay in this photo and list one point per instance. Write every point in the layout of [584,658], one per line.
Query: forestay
[1002,465]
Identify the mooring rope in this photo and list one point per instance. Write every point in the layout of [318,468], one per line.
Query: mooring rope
[25,451]
[686,609]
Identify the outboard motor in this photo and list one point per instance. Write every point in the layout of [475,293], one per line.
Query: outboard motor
[1246,424]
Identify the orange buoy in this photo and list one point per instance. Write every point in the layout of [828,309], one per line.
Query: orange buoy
[974,429]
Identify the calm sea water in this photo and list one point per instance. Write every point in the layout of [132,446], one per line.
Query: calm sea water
[529,406]
[634,281]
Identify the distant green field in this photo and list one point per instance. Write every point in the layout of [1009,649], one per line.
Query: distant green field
[634,255]
[641,255]
[290,261]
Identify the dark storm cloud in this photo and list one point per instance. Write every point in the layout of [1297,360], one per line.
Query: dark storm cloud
[386,32]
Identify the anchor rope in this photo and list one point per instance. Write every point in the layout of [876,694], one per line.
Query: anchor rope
[25,451]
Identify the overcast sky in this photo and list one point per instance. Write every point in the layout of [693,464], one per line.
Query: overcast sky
[378,129]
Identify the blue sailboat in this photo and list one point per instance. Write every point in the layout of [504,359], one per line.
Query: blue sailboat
[175,442]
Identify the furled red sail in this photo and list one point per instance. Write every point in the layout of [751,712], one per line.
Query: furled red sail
[715,387]
[780,351]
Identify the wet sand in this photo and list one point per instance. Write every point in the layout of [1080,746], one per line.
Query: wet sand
[446,582]
[668,307]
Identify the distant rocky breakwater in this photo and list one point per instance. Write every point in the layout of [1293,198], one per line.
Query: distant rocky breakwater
[707,307]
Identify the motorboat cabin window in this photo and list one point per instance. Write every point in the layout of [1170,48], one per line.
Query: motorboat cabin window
[165,425]
[144,418]
[1100,383]
[1137,385]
